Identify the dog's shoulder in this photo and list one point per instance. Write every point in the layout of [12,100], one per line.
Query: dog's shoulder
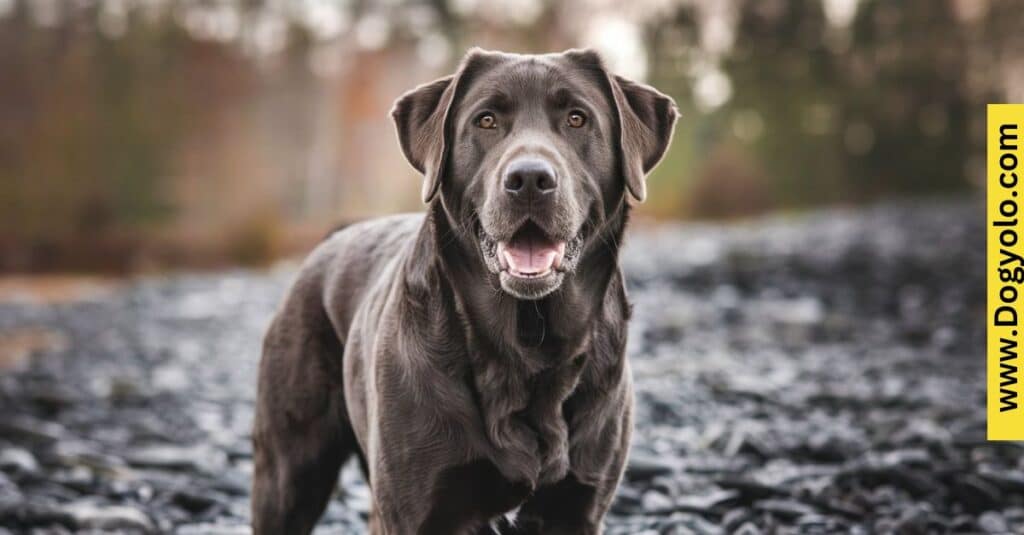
[344,267]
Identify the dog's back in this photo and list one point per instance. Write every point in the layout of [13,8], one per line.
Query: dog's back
[354,260]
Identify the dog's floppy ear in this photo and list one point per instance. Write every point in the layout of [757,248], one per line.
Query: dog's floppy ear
[646,120]
[421,118]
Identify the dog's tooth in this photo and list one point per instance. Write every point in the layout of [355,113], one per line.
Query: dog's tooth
[502,256]
[559,255]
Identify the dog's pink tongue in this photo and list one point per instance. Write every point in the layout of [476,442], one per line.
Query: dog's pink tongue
[531,255]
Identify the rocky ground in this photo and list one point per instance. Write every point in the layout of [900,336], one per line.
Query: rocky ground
[813,374]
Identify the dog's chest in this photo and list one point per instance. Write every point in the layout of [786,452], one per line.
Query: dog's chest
[525,423]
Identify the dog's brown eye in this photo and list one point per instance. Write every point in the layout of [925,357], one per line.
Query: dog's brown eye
[486,120]
[577,119]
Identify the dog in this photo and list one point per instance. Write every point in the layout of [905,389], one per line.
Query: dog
[471,357]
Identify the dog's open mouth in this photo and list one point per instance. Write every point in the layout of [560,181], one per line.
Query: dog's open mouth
[530,253]
[531,262]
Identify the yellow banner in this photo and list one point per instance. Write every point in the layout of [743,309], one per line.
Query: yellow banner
[1005,272]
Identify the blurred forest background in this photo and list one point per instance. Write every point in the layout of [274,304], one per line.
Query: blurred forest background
[143,134]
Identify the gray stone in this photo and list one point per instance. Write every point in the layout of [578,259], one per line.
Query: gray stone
[993,522]
[213,529]
[656,501]
[109,517]
[171,457]
[18,461]
[645,466]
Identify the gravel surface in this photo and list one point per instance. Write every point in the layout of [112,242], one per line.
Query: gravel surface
[819,373]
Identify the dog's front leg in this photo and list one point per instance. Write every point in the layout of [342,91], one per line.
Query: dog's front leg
[562,508]
[301,434]
[599,445]
[427,479]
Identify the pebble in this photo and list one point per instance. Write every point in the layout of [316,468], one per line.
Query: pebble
[18,461]
[976,495]
[31,430]
[785,509]
[196,502]
[643,466]
[171,457]
[656,501]
[31,513]
[213,529]
[993,522]
[122,518]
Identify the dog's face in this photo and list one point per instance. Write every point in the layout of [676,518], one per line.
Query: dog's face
[531,154]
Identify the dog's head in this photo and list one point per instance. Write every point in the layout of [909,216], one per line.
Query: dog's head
[531,154]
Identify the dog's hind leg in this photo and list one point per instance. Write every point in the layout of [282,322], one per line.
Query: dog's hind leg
[301,434]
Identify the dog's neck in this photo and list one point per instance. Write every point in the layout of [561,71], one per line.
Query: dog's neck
[522,360]
[554,327]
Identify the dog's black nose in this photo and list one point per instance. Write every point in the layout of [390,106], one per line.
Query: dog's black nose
[530,177]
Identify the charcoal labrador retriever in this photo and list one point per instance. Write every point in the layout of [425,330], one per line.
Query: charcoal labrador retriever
[472,357]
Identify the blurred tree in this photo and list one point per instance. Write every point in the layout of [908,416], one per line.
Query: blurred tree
[827,112]
[193,132]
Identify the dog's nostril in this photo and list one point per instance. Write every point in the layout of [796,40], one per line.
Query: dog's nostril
[545,183]
[514,182]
